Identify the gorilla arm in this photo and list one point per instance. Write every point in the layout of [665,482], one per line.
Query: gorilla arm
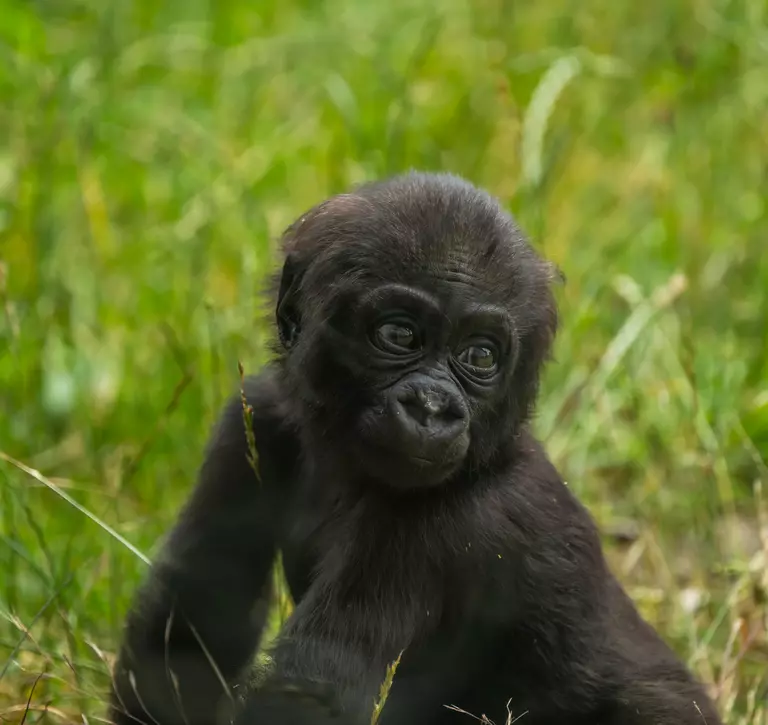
[198,617]
[320,675]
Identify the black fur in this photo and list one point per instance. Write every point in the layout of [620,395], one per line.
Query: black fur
[457,543]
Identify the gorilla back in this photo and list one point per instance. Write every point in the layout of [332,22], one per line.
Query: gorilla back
[415,511]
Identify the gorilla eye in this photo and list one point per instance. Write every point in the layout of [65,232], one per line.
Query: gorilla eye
[397,337]
[479,359]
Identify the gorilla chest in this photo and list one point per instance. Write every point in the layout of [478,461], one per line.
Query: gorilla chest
[371,558]
[299,563]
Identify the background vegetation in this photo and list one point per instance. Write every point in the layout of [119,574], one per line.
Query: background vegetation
[150,155]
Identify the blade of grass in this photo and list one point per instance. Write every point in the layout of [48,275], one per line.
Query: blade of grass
[53,487]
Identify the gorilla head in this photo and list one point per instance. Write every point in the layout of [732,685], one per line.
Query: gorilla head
[414,319]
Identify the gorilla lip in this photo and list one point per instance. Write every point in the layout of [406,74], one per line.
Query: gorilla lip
[427,461]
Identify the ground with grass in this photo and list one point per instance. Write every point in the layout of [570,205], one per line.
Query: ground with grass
[150,155]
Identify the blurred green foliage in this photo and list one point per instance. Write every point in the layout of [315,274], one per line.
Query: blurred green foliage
[150,156]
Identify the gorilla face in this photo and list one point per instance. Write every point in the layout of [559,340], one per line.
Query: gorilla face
[414,320]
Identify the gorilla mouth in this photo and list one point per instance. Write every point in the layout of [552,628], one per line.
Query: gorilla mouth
[421,459]
[429,462]
[391,460]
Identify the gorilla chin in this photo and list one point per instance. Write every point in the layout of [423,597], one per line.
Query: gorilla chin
[389,467]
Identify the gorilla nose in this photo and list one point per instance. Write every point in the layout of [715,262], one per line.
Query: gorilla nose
[431,413]
[423,406]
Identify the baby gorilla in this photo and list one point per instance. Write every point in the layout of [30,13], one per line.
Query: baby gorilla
[414,510]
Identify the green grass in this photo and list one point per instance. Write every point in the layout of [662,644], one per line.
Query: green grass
[150,155]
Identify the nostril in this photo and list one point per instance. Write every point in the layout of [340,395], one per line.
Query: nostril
[414,409]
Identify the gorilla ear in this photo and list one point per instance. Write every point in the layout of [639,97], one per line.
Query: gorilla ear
[553,274]
[556,274]
[287,309]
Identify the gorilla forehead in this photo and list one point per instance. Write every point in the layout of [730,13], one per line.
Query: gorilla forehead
[425,229]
